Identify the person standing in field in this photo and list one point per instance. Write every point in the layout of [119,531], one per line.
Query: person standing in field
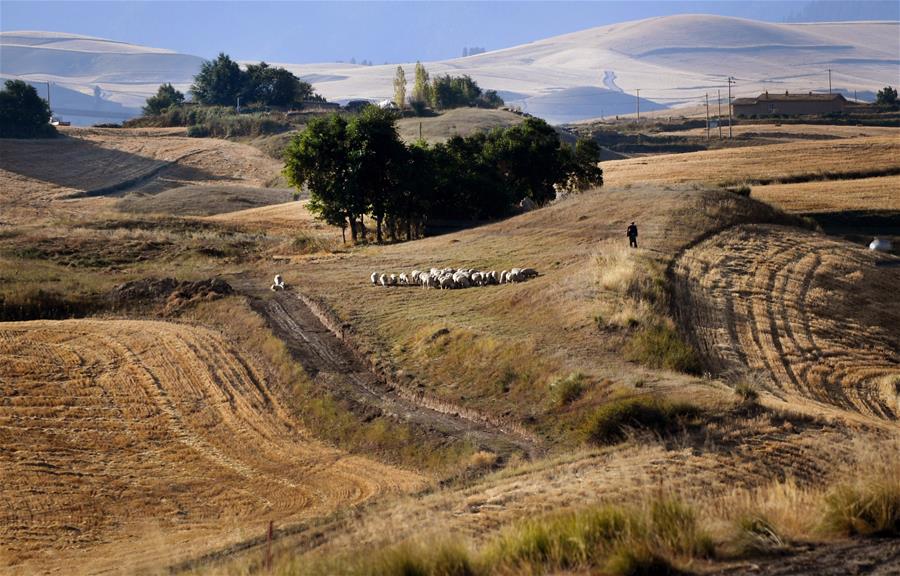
[632,234]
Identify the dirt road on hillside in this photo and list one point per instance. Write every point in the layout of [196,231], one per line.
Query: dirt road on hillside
[805,315]
[332,364]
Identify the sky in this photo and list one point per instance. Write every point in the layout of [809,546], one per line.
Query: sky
[301,32]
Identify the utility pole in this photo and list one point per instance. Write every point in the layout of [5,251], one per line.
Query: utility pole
[719,117]
[639,105]
[707,116]
[829,80]
[238,104]
[730,82]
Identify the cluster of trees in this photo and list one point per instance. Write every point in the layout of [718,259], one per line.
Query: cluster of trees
[360,168]
[222,81]
[442,92]
[887,97]
[23,114]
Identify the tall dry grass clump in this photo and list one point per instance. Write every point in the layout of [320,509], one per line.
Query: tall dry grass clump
[868,504]
[634,295]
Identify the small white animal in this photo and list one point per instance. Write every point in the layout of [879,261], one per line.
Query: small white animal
[279,283]
[374,278]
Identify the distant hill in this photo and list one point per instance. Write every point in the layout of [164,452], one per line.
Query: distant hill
[92,80]
[673,60]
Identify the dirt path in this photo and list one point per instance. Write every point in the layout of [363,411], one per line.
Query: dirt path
[880,557]
[800,314]
[333,365]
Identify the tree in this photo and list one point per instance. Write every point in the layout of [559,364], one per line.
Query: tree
[273,86]
[400,88]
[887,97]
[319,158]
[23,114]
[530,159]
[377,155]
[421,87]
[218,82]
[166,96]
[582,166]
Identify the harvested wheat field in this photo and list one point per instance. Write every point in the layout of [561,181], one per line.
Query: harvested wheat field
[865,194]
[810,317]
[132,444]
[90,162]
[854,157]
[770,131]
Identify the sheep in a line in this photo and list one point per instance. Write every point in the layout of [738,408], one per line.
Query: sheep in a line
[451,278]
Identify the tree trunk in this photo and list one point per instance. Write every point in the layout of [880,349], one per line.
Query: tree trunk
[409,229]
[362,227]
[378,238]
[353,234]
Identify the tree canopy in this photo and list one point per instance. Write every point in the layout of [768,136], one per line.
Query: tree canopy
[221,82]
[23,114]
[887,97]
[360,168]
[165,97]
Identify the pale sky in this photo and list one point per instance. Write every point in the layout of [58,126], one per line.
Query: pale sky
[301,32]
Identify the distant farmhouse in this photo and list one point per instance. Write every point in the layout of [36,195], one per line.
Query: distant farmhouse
[789,104]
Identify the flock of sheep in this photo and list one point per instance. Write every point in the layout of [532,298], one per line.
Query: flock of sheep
[449,278]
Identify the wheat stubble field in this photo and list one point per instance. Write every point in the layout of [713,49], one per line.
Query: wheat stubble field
[153,433]
[143,440]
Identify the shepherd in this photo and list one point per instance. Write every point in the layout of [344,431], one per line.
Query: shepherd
[632,234]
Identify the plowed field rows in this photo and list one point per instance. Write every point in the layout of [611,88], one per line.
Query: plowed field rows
[124,443]
[813,317]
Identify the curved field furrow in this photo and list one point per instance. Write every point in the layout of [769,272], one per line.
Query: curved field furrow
[812,317]
[151,441]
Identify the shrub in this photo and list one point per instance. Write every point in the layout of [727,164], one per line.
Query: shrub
[871,507]
[756,535]
[569,389]
[747,393]
[660,346]
[610,422]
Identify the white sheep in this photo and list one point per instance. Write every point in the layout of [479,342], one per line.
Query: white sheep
[404,280]
[374,278]
[447,283]
[278,284]
[383,279]
[503,279]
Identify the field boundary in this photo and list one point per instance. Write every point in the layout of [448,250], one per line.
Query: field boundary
[132,182]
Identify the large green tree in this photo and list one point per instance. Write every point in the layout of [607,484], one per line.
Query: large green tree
[319,158]
[23,114]
[165,97]
[219,82]
[378,155]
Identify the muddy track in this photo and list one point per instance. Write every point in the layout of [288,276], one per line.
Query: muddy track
[335,366]
[804,315]
[878,557]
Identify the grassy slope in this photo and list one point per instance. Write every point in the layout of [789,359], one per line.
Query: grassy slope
[460,121]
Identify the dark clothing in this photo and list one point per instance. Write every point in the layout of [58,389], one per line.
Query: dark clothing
[632,236]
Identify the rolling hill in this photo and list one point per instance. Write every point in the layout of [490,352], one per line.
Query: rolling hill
[673,60]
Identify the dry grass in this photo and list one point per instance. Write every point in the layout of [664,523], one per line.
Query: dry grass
[787,132]
[456,122]
[867,194]
[758,162]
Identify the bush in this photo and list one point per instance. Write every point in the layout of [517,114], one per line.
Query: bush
[747,393]
[660,346]
[569,389]
[611,422]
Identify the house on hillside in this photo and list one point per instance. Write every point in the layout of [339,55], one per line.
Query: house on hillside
[789,104]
